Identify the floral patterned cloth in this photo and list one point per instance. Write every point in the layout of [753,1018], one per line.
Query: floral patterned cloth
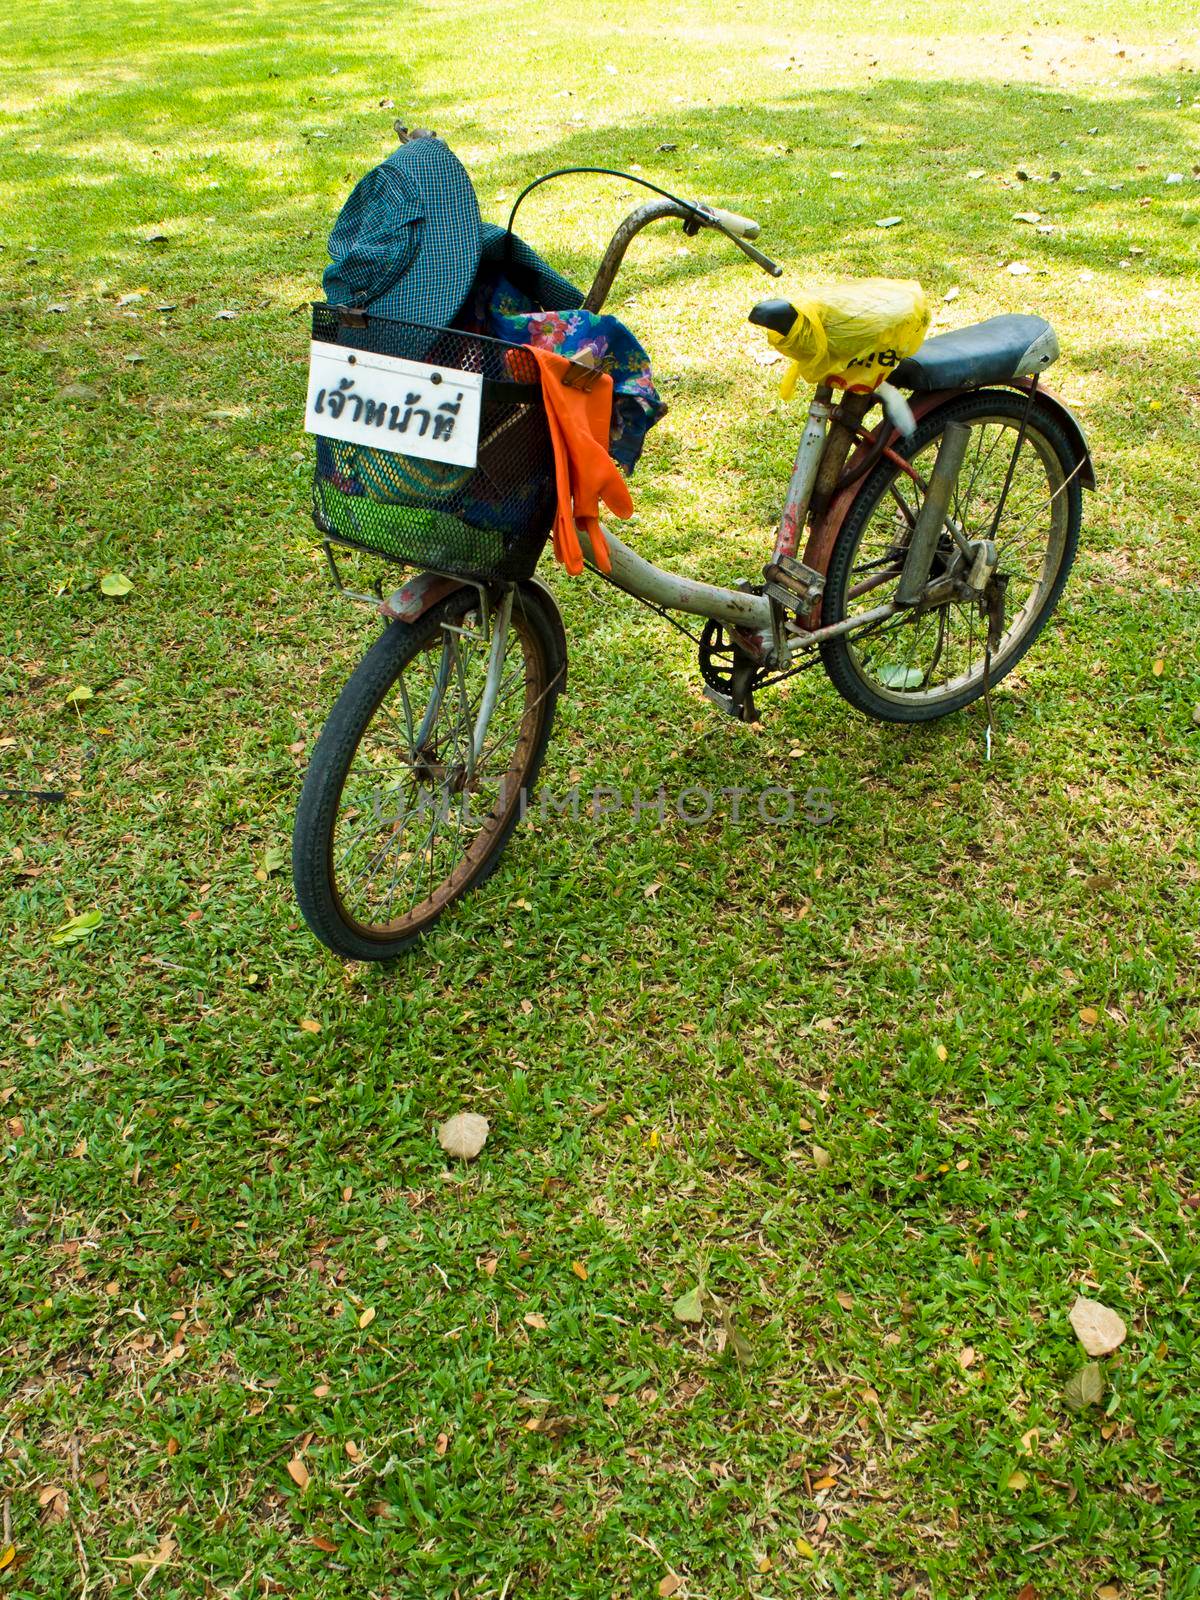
[501,310]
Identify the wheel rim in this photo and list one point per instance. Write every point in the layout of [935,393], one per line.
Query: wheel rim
[416,821]
[930,655]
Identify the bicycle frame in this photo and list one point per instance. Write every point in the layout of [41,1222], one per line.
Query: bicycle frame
[766,632]
[819,493]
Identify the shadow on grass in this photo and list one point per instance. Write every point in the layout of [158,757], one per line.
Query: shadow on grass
[244,145]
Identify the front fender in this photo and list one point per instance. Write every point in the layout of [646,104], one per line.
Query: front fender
[823,535]
[425,590]
[420,594]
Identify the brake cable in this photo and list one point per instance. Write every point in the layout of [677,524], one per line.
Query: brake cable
[699,216]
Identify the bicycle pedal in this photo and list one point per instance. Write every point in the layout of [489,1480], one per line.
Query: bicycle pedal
[723,702]
[793,585]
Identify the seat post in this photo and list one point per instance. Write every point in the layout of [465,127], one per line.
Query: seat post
[804,475]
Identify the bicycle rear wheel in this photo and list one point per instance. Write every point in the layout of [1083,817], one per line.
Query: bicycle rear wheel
[398,816]
[926,662]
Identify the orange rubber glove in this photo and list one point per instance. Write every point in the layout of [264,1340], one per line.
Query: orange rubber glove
[586,474]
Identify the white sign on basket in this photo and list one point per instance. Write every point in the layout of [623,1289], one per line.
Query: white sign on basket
[392,404]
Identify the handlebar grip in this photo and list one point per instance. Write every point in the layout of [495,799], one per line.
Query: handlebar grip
[741,227]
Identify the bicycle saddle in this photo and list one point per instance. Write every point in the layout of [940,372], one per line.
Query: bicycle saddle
[987,352]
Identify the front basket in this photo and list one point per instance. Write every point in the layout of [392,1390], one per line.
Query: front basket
[486,521]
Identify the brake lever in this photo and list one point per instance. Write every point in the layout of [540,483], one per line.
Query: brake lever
[747,249]
[710,220]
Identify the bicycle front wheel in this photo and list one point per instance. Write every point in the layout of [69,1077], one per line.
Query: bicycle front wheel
[400,814]
[926,662]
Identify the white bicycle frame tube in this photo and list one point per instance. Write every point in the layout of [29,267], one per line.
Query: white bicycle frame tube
[735,608]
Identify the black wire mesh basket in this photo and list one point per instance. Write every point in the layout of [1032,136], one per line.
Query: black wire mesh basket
[486,521]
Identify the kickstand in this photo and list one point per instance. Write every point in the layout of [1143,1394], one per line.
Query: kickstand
[995,597]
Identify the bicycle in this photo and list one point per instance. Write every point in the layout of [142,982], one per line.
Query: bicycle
[929,566]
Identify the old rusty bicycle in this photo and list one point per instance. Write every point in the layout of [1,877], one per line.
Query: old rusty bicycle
[917,568]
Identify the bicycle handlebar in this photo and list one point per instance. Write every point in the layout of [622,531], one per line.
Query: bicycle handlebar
[742,227]
[694,217]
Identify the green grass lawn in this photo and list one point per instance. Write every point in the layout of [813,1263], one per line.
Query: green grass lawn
[975,989]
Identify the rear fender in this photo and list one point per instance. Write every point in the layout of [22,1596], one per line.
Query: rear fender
[823,535]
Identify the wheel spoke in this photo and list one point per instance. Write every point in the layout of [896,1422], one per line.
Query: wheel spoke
[942,652]
[410,827]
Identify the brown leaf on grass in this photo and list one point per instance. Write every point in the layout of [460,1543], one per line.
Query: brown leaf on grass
[1026,1592]
[534,1319]
[966,1356]
[690,1306]
[669,1585]
[550,1427]
[154,1558]
[1089,1016]
[1098,1329]
[846,1301]
[464,1136]
[735,1339]
[367,1317]
[309,1025]
[441,1444]
[298,1472]
[322,1543]
[580,1271]
[1085,1388]
[821,1158]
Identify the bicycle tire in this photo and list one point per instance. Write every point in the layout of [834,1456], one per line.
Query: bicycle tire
[838,655]
[314,873]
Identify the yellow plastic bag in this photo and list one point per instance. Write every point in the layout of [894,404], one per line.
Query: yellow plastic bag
[853,334]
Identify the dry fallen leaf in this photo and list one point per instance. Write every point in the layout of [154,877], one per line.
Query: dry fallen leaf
[464,1136]
[1089,1016]
[821,1157]
[803,1548]
[154,1558]
[309,1024]
[669,1585]
[689,1307]
[441,1444]
[298,1472]
[580,1271]
[1098,1329]
[367,1317]
[1108,1591]
[322,1543]
[534,1319]
[1017,1481]
[846,1301]
[1085,1388]
[966,1356]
